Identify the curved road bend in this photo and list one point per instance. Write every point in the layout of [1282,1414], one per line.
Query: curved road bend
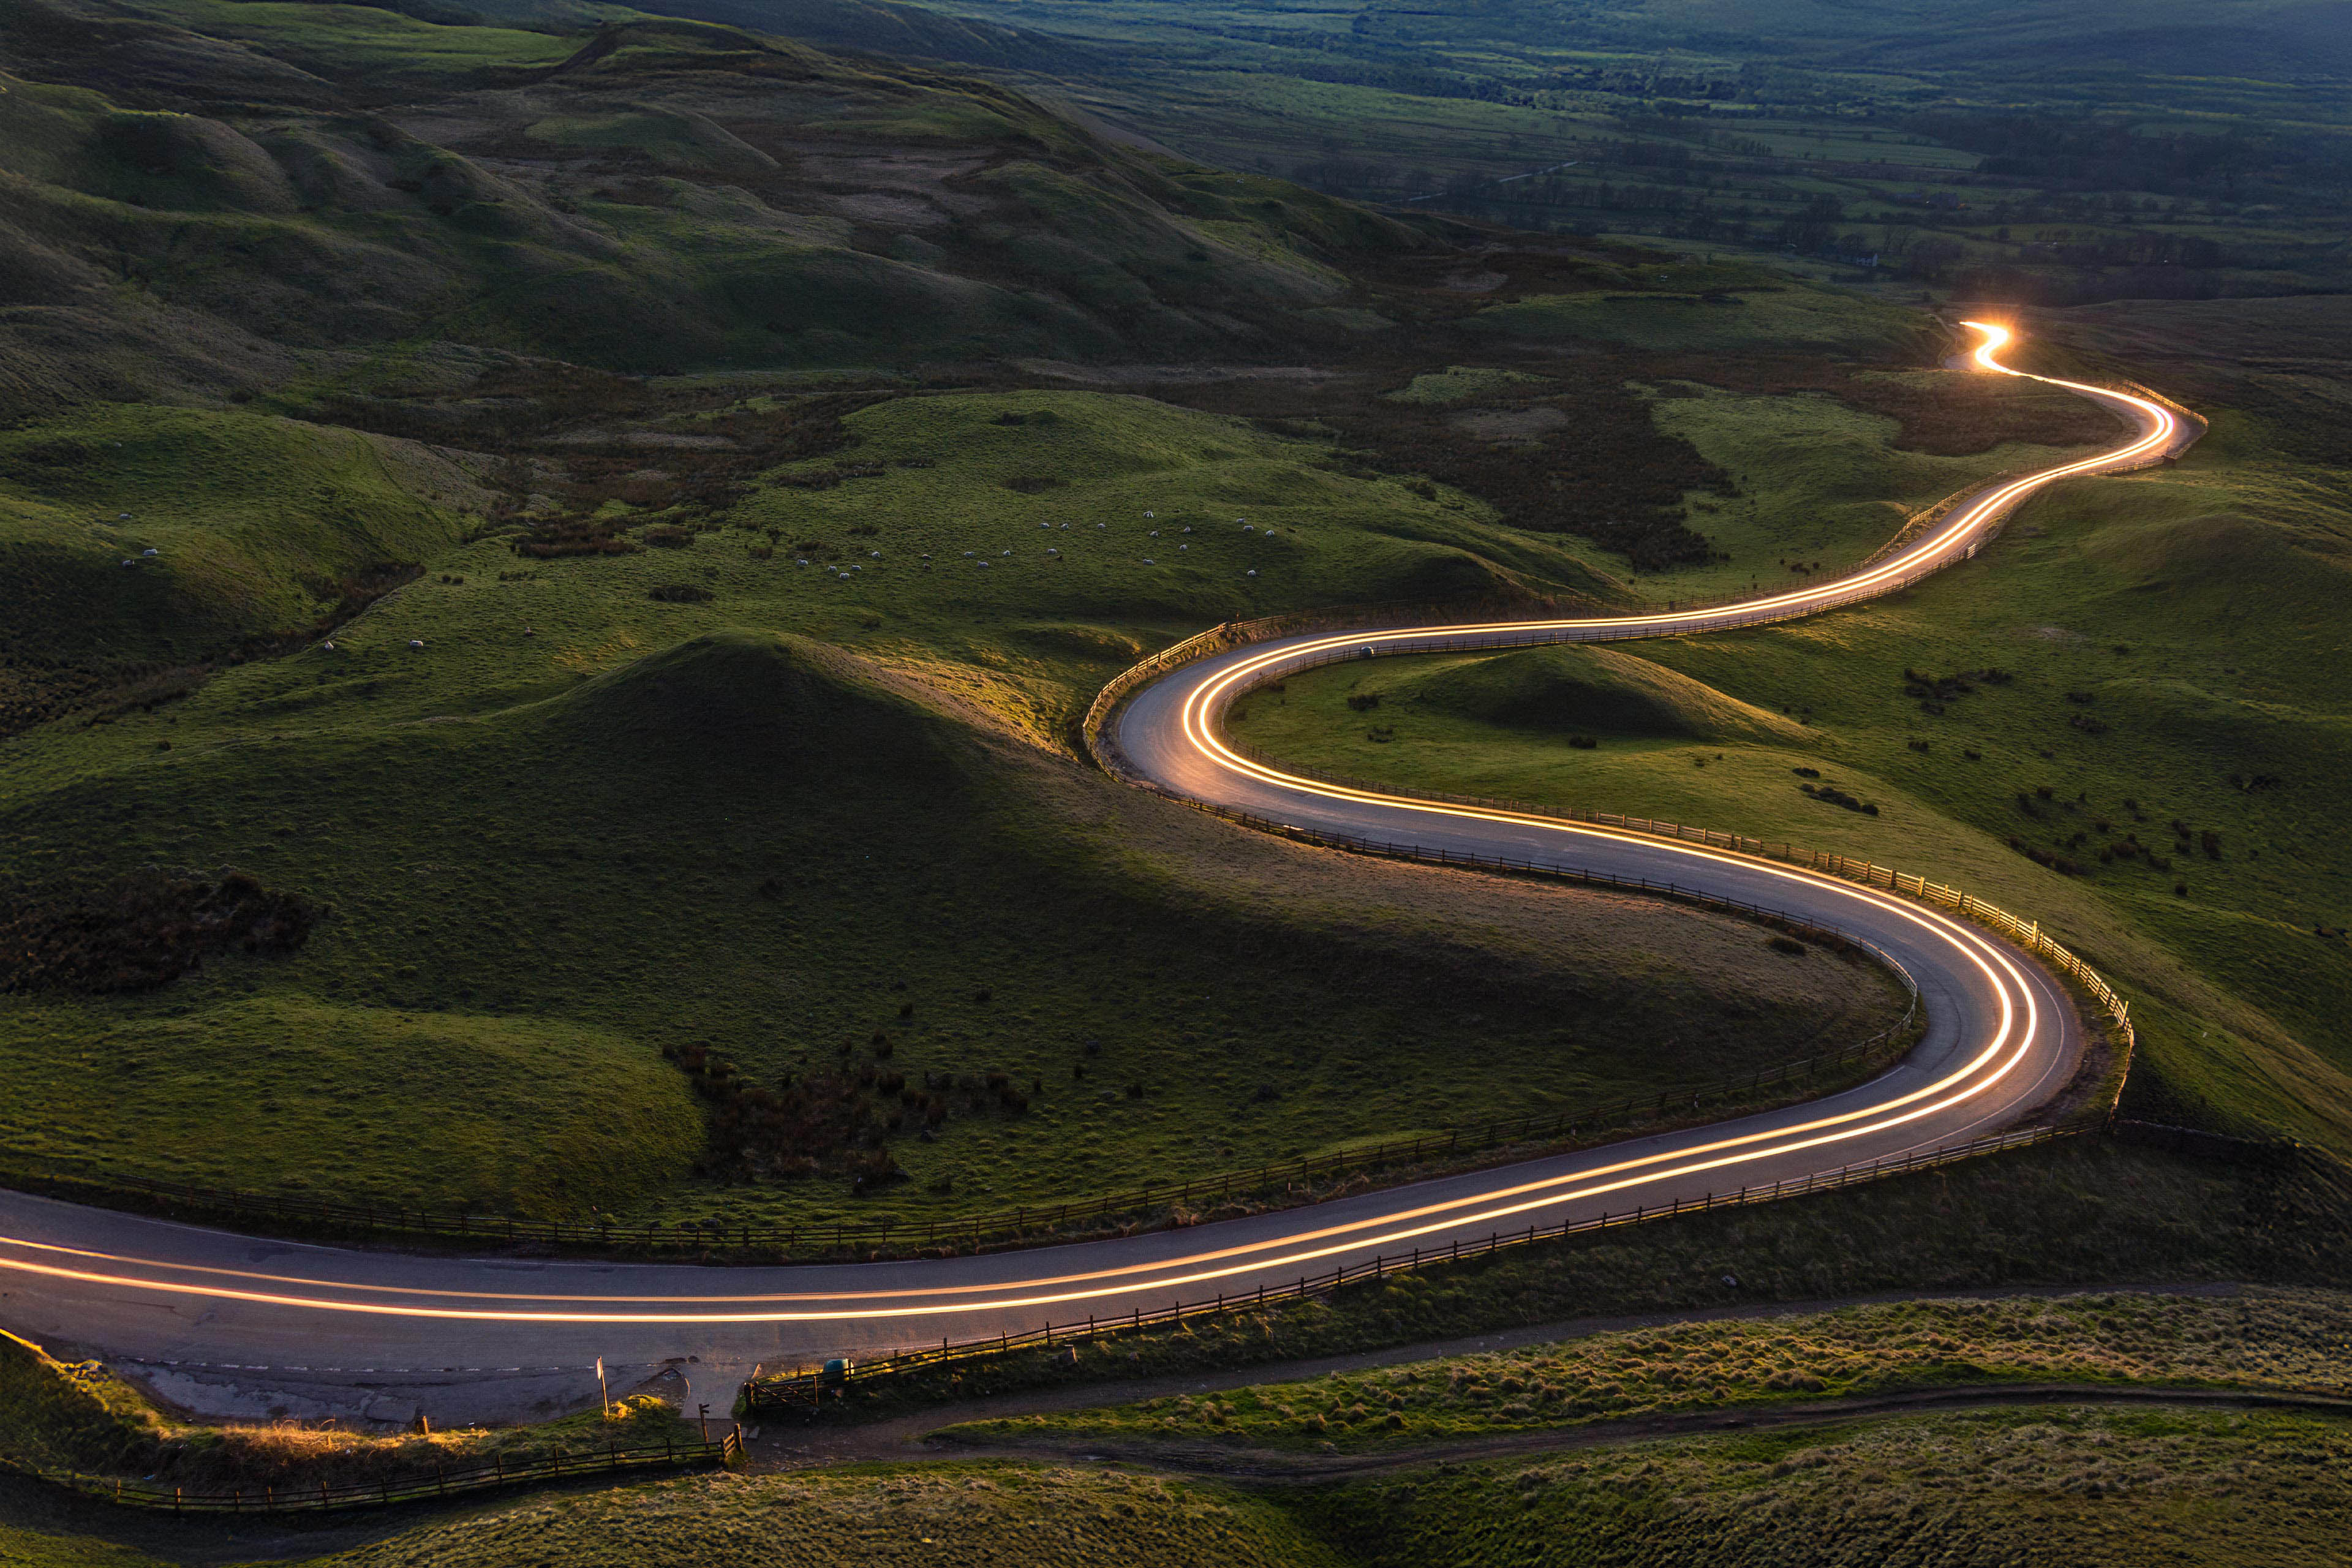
[249,1325]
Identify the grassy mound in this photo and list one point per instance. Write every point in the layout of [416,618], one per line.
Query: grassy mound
[806,719]
[1592,688]
[139,543]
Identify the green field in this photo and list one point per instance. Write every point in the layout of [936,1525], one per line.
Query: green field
[2285,1339]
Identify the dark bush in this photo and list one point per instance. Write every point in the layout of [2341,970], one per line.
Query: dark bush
[1363,701]
[143,931]
[678,593]
[1787,945]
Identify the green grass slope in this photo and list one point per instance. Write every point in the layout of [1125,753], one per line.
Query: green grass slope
[139,541]
[1583,689]
[2284,1340]
[662,194]
[2139,692]
[2043,1486]
[550,860]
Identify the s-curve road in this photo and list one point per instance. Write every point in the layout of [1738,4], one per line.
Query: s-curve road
[230,1324]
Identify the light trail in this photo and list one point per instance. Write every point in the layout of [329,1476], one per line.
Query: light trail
[2017,1028]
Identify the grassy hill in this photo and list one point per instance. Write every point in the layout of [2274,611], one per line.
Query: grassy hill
[657,194]
[516,679]
[2140,768]
[565,820]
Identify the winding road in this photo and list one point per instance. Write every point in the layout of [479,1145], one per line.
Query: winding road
[234,1325]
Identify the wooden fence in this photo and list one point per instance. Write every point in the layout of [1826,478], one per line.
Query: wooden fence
[810,1388]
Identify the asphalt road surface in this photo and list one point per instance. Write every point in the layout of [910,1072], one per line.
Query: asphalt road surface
[239,1326]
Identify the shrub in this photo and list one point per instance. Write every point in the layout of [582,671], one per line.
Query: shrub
[1584,743]
[1787,945]
[143,931]
[678,593]
[1363,701]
